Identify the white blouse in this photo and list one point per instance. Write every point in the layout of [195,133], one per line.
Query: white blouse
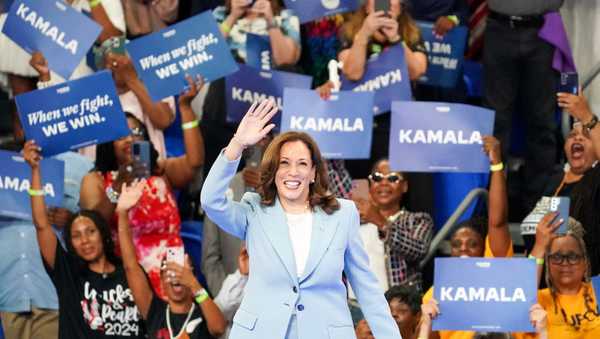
[300,228]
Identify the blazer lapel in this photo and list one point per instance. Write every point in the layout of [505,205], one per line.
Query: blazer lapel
[277,231]
[322,233]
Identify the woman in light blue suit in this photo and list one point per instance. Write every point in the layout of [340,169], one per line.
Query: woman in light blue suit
[300,239]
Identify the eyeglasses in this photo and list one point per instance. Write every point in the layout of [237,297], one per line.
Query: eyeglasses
[572,258]
[392,177]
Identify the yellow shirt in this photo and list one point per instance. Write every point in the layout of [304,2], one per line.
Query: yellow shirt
[466,334]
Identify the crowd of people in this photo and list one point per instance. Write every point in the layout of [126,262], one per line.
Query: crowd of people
[294,245]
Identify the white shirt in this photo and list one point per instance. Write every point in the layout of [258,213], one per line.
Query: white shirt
[300,228]
[230,297]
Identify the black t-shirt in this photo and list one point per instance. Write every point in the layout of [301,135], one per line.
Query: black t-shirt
[93,306]
[157,322]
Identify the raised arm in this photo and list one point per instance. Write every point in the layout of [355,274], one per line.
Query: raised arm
[228,214]
[136,278]
[578,108]
[215,321]
[498,232]
[181,170]
[354,59]
[159,113]
[286,49]
[45,234]
[92,196]
[364,283]
[544,233]
[100,15]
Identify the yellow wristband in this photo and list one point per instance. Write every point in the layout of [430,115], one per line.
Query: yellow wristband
[539,261]
[94,3]
[225,27]
[201,296]
[497,167]
[454,19]
[36,193]
[190,124]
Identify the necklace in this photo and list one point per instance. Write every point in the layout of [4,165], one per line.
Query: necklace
[187,319]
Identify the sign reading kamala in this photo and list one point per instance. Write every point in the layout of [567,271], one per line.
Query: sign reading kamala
[194,46]
[74,114]
[249,85]
[258,51]
[477,294]
[387,76]
[341,126]
[439,137]
[445,55]
[310,10]
[54,28]
[15,176]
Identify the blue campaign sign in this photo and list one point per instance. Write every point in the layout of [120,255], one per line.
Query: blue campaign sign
[596,287]
[445,55]
[54,28]
[258,51]
[439,137]
[249,85]
[15,176]
[194,46]
[387,76]
[75,114]
[310,10]
[342,126]
[477,294]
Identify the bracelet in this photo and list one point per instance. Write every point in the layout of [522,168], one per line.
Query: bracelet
[225,27]
[94,3]
[539,261]
[36,193]
[112,195]
[454,19]
[200,296]
[190,124]
[590,125]
[497,167]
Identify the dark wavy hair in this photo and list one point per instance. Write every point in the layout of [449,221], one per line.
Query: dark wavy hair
[108,244]
[405,294]
[106,161]
[318,191]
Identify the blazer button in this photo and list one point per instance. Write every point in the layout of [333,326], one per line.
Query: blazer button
[300,307]
[295,289]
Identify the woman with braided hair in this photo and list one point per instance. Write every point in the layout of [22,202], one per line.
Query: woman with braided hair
[569,300]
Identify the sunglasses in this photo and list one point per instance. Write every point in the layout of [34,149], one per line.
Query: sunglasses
[392,177]
[571,258]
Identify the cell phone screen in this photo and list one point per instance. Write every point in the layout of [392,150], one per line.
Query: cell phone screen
[569,83]
[382,5]
[140,153]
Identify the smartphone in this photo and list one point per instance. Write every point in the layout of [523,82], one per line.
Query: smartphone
[382,5]
[140,153]
[561,205]
[360,189]
[176,255]
[569,83]
[115,45]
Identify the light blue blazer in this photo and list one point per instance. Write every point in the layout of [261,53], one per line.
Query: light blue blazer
[274,292]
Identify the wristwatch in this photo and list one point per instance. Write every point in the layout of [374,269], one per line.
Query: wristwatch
[590,125]
[272,24]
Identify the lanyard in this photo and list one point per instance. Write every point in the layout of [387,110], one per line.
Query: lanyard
[187,319]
